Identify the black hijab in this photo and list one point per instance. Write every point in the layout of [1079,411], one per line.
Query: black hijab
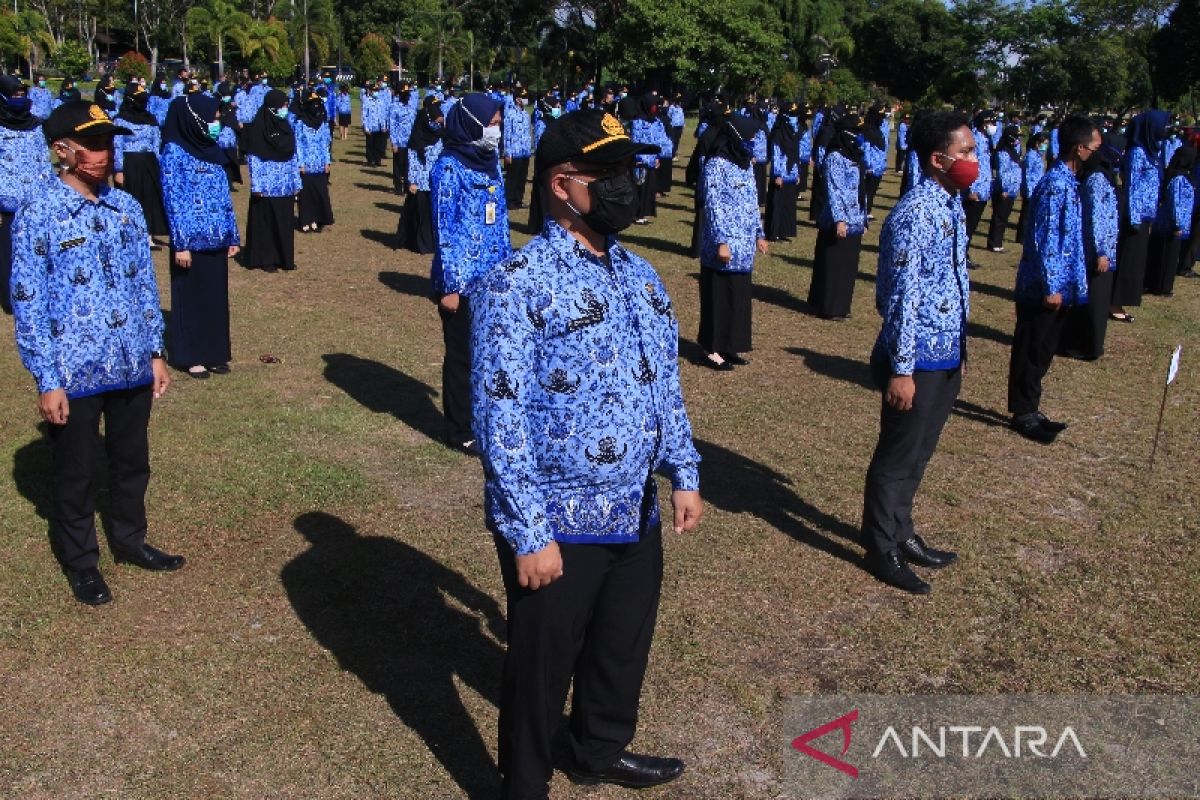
[187,120]
[227,112]
[873,130]
[629,108]
[15,120]
[424,133]
[845,139]
[649,107]
[67,93]
[1010,142]
[159,90]
[784,137]
[728,139]
[1106,161]
[1147,130]
[270,137]
[103,95]
[133,106]
[1182,163]
[312,109]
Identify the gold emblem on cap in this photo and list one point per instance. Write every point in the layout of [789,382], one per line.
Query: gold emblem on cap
[611,126]
[97,113]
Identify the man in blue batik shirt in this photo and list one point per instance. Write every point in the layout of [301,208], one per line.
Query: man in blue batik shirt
[923,295]
[89,330]
[1051,278]
[577,403]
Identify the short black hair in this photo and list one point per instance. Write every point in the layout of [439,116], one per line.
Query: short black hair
[1073,132]
[933,133]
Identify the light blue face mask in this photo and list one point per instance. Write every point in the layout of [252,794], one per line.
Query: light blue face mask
[214,129]
[281,112]
[264,81]
[555,112]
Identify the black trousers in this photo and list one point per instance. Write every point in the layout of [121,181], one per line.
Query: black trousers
[456,372]
[726,311]
[1162,262]
[760,181]
[974,213]
[376,148]
[516,175]
[400,171]
[594,624]
[6,222]
[901,158]
[198,327]
[1035,341]
[1001,210]
[835,269]
[907,440]
[1087,325]
[76,447]
[1133,248]
[870,185]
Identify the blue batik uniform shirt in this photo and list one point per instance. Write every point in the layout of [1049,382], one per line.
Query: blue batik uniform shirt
[1008,176]
[197,202]
[675,115]
[518,131]
[41,102]
[274,178]
[1052,257]
[467,244]
[730,215]
[1143,181]
[576,394]
[843,203]
[312,147]
[25,169]
[400,120]
[85,300]
[922,290]
[982,187]
[144,139]
[1100,220]
[1175,213]
[1035,168]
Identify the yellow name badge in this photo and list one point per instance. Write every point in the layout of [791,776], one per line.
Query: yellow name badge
[489,213]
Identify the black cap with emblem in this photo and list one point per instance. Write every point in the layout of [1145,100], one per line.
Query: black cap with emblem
[79,118]
[590,135]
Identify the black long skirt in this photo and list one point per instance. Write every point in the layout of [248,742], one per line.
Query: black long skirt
[835,268]
[725,309]
[198,325]
[870,185]
[232,171]
[664,175]
[400,170]
[781,211]
[697,222]
[314,200]
[1162,261]
[516,175]
[820,195]
[416,224]
[271,232]
[1020,233]
[1087,325]
[1132,251]
[760,181]
[143,180]
[647,200]
[6,222]
[803,182]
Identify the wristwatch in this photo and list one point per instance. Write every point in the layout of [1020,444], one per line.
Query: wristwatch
[158,354]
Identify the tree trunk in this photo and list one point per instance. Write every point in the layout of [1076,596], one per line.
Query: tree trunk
[220,57]
[307,61]
[153,61]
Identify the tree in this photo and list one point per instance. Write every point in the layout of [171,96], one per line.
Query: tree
[1175,63]
[267,48]
[374,57]
[438,31]
[216,21]
[913,47]
[72,58]
[310,24]
[133,65]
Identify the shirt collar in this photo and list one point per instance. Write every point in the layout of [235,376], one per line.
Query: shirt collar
[73,202]
[568,246]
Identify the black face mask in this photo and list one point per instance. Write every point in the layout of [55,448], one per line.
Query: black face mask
[614,205]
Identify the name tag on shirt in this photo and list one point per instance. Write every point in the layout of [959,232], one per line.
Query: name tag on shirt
[489,213]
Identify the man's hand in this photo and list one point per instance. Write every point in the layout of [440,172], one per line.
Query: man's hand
[1102,264]
[974,196]
[724,253]
[541,568]
[119,178]
[1053,301]
[508,159]
[1005,195]
[162,378]
[412,188]
[183,259]
[449,303]
[901,390]
[843,230]
[689,508]
[762,246]
[53,406]
[779,181]
[233,250]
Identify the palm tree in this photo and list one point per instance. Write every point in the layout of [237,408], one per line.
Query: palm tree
[311,22]
[217,21]
[267,37]
[36,41]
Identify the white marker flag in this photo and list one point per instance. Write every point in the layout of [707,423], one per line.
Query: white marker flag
[1174,369]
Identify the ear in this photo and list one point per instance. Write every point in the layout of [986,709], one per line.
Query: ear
[558,186]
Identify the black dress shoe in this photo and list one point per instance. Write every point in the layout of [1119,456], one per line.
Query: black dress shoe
[89,587]
[719,366]
[1029,426]
[891,569]
[219,369]
[735,359]
[631,771]
[150,558]
[1051,425]
[914,551]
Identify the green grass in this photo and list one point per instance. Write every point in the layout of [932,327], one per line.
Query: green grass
[366,664]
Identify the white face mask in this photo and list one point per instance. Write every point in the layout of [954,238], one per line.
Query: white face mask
[991,130]
[490,140]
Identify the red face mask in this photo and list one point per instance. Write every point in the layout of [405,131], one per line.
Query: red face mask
[92,166]
[962,173]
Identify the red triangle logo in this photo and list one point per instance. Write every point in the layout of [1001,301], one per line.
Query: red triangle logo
[843,724]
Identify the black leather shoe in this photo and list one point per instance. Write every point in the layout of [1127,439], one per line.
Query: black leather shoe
[735,359]
[150,558]
[1029,426]
[89,587]
[719,366]
[891,569]
[914,551]
[631,771]
[1051,425]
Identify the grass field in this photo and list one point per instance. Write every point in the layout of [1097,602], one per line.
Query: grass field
[335,633]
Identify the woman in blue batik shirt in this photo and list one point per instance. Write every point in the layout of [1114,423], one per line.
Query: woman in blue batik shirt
[517,147]
[270,147]
[159,100]
[231,128]
[759,152]
[975,198]
[312,148]
[1007,186]
[1173,223]
[105,94]
[471,222]
[24,167]
[841,224]
[783,154]
[666,154]
[42,102]
[1033,167]
[731,234]
[344,106]
[1141,176]
[645,128]
[204,236]
[67,91]
[1087,325]
[135,160]
[401,114]
[874,161]
[424,147]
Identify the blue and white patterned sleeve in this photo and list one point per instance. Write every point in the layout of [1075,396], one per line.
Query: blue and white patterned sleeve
[30,277]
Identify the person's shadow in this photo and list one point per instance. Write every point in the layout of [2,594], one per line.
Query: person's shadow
[747,486]
[387,390]
[404,283]
[392,616]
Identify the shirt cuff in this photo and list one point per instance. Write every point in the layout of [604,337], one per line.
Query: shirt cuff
[685,477]
[49,381]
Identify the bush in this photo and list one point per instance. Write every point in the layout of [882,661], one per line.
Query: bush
[133,65]
[374,57]
[73,59]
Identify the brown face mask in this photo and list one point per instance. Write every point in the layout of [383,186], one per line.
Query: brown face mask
[92,166]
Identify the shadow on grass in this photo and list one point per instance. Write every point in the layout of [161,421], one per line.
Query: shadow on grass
[375,187]
[977,330]
[381,237]
[654,243]
[748,486]
[390,208]
[391,615]
[387,390]
[402,282]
